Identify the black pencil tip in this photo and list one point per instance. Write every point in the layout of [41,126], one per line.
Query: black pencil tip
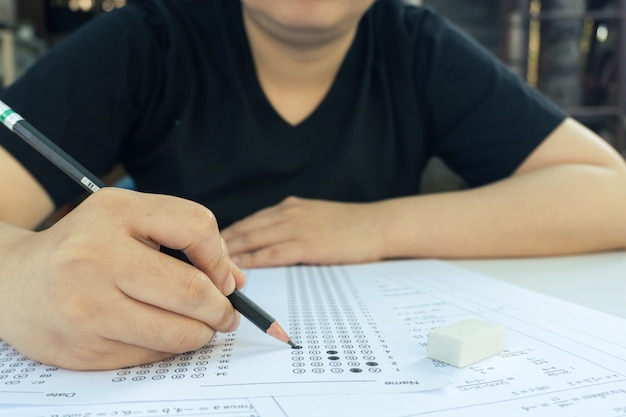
[293,345]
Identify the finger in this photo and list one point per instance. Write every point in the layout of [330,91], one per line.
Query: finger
[156,329]
[286,253]
[182,225]
[150,334]
[240,277]
[122,355]
[161,280]
[256,239]
[110,354]
[264,218]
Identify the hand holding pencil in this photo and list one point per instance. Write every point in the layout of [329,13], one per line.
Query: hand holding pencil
[98,294]
[105,296]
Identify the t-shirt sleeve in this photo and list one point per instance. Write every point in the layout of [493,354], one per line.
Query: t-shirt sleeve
[85,96]
[483,119]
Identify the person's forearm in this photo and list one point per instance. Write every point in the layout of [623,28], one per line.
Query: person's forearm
[24,201]
[552,211]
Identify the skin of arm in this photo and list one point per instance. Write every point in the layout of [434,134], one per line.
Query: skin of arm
[94,292]
[567,197]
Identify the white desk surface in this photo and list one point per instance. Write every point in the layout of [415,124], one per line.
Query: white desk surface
[596,280]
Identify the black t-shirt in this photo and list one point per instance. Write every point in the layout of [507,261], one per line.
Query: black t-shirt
[168,88]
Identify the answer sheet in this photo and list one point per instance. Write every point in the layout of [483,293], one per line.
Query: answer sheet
[363,330]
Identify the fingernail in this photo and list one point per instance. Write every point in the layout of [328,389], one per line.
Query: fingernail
[235,323]
[229,285]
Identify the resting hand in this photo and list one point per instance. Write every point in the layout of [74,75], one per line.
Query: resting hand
[94,292]
[307,232]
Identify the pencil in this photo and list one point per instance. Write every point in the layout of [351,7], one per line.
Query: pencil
[18,125]
[259,317]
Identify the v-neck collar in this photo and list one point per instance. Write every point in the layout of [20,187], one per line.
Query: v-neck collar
[332,105]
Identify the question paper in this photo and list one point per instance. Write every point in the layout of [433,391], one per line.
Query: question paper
[363,331]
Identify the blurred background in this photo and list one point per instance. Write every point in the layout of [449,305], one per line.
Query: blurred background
[574,51]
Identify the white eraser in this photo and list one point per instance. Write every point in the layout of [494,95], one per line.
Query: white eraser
[466,342]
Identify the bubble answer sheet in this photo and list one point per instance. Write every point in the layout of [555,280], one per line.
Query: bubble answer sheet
[363,331]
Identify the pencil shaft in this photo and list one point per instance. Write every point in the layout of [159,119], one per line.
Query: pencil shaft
[16,123]
[57,156]
[250,310]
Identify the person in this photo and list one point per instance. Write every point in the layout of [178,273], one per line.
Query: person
[263,133]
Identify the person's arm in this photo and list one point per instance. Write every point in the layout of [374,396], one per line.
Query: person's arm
[93,291]
[24,202]
[568,196]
